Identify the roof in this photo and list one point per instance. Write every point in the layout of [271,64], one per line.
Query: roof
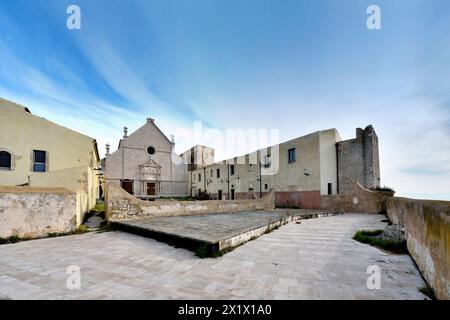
[12,104]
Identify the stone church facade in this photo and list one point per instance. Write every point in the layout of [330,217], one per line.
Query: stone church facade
[146,165]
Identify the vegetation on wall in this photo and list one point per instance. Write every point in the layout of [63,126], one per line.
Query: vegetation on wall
[374,238]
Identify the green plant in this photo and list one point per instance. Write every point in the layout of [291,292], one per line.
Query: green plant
[98,208]
[82,229]
[12,239]
[384,189]
[202,251]
[371,238]
[426,290]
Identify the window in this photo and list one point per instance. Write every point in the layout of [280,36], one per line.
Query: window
[330,188]
[199,177]
[211,173]
[5,160]
[151,150]
[266,186]
[267,161]
[291,155]
[39,161]
[232,169]
[218,173]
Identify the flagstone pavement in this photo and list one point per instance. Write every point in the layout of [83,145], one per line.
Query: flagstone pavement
[316,259]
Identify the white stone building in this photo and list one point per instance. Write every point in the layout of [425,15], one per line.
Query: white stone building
[146,165]
[300,170]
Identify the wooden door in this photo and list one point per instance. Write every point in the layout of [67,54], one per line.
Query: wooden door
[127,185]
[151,188]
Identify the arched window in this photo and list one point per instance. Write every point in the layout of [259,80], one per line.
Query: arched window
[5,160]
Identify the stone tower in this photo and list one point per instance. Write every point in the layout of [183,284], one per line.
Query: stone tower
[358,159]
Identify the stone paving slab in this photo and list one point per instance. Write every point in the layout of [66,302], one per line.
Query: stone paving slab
[214,232]
[210,228]
[316,259]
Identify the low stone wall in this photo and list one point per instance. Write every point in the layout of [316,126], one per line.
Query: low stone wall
[359,200]
[122,205]
[27,212]
[79,179]
[427,231]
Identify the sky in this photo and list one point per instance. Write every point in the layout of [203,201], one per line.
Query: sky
[293,67]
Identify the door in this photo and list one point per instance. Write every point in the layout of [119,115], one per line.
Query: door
[127,185]
[220,194]
[151,188]
[232,194]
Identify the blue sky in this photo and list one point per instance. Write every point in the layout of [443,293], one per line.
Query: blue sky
[296,66]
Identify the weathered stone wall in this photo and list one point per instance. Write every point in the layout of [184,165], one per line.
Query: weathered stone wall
[358,199]
[427,231]
[300,199]
[35,212]
[122,205]
[82,180]
[358,159]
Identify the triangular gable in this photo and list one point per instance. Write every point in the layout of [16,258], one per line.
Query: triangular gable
[151,163]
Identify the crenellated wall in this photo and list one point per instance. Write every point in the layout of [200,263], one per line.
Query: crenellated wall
[121,205]
[427,230]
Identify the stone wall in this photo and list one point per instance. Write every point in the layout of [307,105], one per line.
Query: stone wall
[358,159]
[358,199]
[82,180]
[300,199]
[427,231]
[35,212]
[122,205]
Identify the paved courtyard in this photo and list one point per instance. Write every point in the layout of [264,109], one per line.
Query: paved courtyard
[212,228]
[316,259]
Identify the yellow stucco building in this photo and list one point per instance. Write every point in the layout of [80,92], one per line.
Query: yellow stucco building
[36,152]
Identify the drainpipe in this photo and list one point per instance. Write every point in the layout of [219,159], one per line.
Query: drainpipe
[260,180]
[229,182]
[190,191]
[204,180]
[337,168]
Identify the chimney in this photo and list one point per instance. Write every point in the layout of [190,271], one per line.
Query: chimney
[150,120]
[125,132]
[107,148]
[172,138]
